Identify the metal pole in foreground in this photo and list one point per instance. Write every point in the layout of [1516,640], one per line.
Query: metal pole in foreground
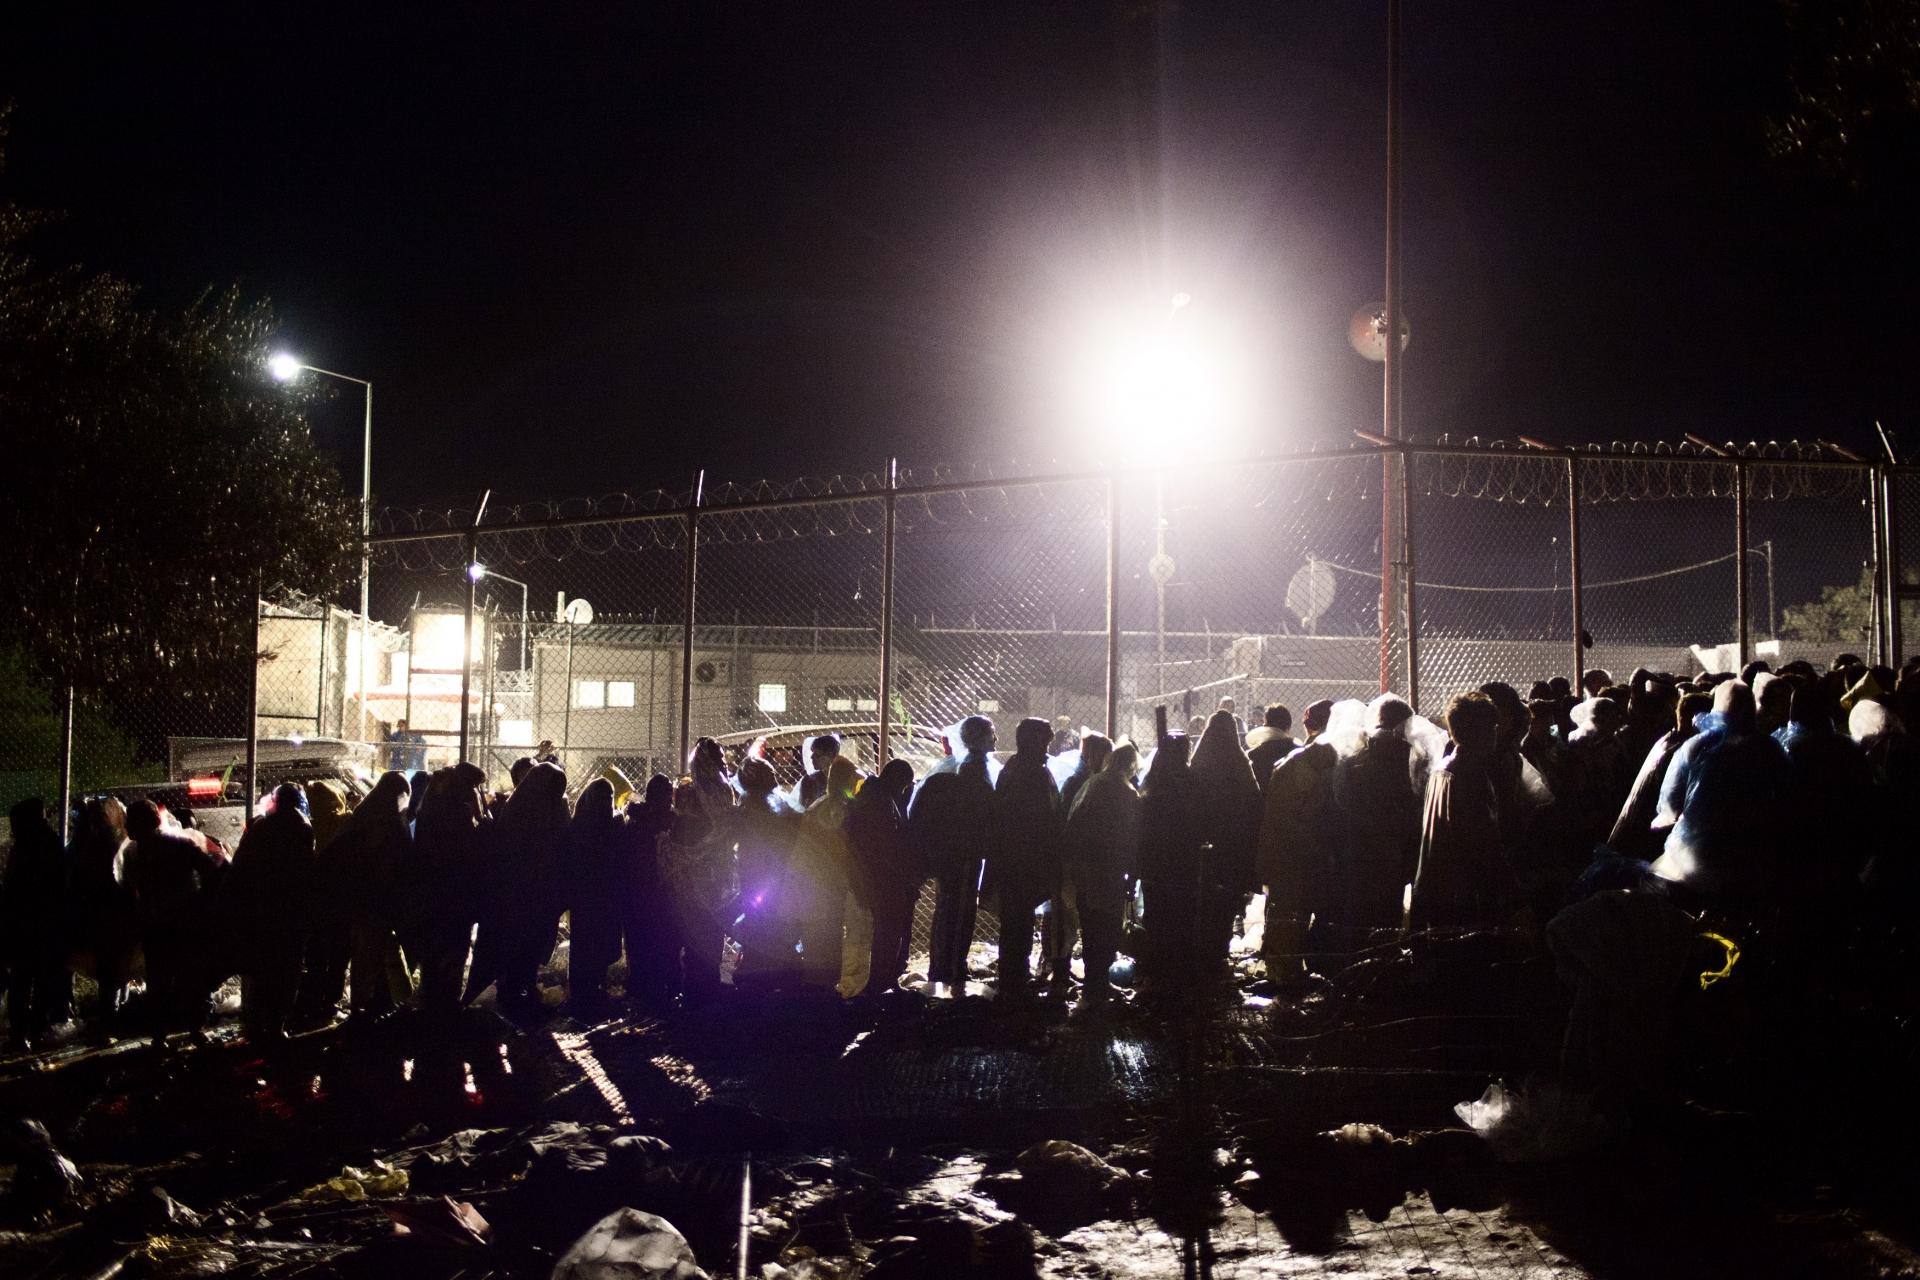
[686,633]
[366,552]
[1573,566]
[886,616]
[66,764]
[1740,577]
[1406,584]
[253,709]
[1113,609]
[1390,491]
[466,647]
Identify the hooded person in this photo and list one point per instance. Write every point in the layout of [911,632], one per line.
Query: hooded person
[817,883]
[444,884]
[520,917]
[1023,862]
[268,904]
[950,822]
[329,945]
[1060,928]
[1633,835]
[1229,815]
[885,873]
[1723,802]
[174,882]
[1102,849]
[369,861]
[1380,812]
[102,926]
[1170,854]
[703,876]
[1462,880]
[1271,743]
[33,915]
[1295,855]
[590,876]
[768,827]
[646,911]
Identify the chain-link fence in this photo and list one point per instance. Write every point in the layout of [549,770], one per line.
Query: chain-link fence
[885,608]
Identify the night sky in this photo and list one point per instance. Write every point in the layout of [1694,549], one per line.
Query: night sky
[586,248]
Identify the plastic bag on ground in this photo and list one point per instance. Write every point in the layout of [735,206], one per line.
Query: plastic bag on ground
[629,1245]
[379,1179]
[1544,1120]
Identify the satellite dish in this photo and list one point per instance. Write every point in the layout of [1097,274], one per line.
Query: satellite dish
[705,673]
[1367,331]
[1310,593]
[578,612]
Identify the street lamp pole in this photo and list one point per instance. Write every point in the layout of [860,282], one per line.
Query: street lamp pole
[286,368]
[478,572]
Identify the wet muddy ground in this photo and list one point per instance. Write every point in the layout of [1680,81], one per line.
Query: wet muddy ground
[1227,1129]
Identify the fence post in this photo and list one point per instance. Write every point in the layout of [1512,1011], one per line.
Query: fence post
[1740,557]
[886,615]
[686,630]
[253,708]
[1406,579]
[1889,491]
[320,693]
[66,764]
[1113,609]
[466,643]
[1573,568]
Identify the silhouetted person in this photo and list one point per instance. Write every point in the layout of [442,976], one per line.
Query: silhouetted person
[1102,845]
[103,925]
[769,826]
[269,907]
[822,750]
[445,883]
[329,944]
[1724,802]
[407,749]
[886,875]
[369,861]
[1271,743]
[950,821]
[1295,855]
[1633,834]
[1463,881]
[1023,861]
[817,883]
[1229,816]
[1064,738]
[520,921]
[647,917]
[174,880]
[1380,810]
[590,874]
[1170,853]
[33,917]
[1061,925]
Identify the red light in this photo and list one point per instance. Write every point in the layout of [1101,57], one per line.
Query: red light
[203,788]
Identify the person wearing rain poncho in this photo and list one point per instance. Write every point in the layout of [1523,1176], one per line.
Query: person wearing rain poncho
[701,876]
[451,837]
[950,822]
[1831,804]
[815,889]
[1060,927]
[646,915]
[1463,880]
[1023,865]
[1377,794]
[590,872]
[371,854]
[1295,857]
[1229,817]
[1170,855]
[267,900]
[520,921]
[769,826]
[1102,854]
[1723,802]
[324,980]
[885,876]
[1633,833]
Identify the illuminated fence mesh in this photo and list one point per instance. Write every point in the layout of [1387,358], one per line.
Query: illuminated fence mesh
[1257,580]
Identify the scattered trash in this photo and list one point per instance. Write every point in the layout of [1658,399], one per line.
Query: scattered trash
[43,1179]
[352,1183]
[1060,1185]
[445,1221]
[1543,1120]
[630,1245]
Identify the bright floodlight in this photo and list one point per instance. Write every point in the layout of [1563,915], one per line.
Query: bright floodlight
[1167,388]
[283,367]
[476,571]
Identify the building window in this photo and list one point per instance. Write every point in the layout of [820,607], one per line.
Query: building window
[773,699]
[619,693]
[989,706]
[589,693]
[844,699]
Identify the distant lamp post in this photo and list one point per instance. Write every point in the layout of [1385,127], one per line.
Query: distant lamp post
[285,368]
[477,572]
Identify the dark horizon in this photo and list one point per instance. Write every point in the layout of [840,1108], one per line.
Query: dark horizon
[588,254]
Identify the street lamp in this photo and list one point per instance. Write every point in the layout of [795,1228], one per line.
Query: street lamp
[285,368]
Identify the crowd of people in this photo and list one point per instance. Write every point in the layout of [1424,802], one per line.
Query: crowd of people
[1792,786]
